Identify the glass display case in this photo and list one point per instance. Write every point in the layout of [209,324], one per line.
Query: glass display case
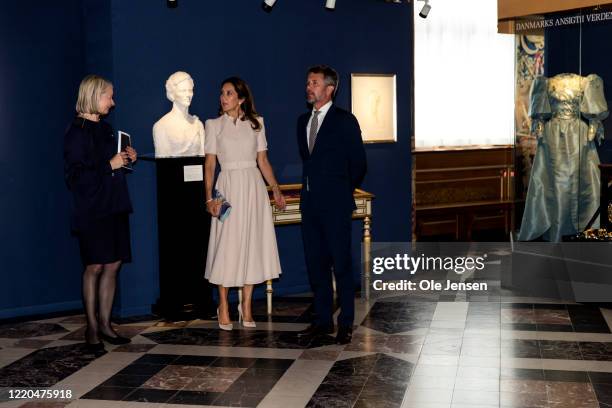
[563,82]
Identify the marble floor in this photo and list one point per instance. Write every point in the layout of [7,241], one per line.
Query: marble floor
[406,352]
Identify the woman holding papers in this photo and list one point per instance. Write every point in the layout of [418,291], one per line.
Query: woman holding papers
[101,204]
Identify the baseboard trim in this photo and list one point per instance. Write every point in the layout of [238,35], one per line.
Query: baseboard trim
[40,312]
[134,311]
[51,310]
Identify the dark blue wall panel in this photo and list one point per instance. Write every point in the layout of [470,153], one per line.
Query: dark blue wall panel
[213,40]
[41,64]
[138,44]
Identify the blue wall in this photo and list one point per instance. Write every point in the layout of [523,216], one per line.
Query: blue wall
[139,43]
[41,64]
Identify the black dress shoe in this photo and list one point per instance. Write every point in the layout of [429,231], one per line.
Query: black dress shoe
[315,330]
[345,334]
[115,340]
[94,347]
[90,346]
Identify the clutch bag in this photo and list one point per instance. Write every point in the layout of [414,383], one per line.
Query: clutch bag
[226,207]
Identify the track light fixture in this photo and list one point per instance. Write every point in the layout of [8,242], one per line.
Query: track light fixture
[425,10]
[267,5]
[172,3]
[330,5]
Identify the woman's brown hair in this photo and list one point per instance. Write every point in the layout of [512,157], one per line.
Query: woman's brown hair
[248,106]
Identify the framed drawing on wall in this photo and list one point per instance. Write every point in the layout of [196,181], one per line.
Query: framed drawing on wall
[373,102]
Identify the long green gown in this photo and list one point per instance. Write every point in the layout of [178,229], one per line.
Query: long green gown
[564,188]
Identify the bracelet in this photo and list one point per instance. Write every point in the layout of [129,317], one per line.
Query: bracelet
[274,186]
[209,200]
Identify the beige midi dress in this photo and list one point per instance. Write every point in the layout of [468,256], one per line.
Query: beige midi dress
[242,249]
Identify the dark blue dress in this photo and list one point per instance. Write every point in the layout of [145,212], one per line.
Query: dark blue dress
[101,202]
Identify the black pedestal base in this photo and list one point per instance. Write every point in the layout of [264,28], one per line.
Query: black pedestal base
[183,230]
[185,312]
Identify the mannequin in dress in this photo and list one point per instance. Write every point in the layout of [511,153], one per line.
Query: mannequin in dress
[567,112]
[178,133]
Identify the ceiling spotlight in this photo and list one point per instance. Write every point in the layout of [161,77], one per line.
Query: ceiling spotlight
[425,10]
[172,3]
[330,5]
[267,5]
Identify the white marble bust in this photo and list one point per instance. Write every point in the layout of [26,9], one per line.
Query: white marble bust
[178,133]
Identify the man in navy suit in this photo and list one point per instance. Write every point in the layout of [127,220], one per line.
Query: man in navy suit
[334,164]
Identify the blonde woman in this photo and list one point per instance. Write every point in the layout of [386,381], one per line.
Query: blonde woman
[101,204]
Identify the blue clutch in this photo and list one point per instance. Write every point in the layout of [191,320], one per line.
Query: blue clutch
[226,207]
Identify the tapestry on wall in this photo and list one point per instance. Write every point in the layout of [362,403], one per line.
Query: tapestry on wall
[529,64]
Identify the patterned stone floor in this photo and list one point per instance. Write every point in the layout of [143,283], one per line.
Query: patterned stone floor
[511,352]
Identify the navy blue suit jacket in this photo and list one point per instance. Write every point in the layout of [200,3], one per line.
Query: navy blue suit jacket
[337,164]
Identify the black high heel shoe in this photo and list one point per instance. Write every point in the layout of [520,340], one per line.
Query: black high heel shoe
[115,340]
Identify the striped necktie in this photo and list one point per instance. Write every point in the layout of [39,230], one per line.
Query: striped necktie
[314,124]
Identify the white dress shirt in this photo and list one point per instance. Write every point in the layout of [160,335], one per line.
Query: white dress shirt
[323,112]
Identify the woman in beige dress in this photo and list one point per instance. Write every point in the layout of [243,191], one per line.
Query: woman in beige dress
[242,249]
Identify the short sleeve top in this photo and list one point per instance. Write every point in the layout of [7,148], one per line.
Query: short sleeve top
[234,142]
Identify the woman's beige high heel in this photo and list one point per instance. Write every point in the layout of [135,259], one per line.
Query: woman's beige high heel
[241,320]
[227,327]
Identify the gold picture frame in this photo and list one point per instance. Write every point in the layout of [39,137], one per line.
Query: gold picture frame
[373,102]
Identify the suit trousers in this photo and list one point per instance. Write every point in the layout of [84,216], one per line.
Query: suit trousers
[327,244]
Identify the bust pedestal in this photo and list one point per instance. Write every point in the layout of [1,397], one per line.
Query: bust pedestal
[183,231]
